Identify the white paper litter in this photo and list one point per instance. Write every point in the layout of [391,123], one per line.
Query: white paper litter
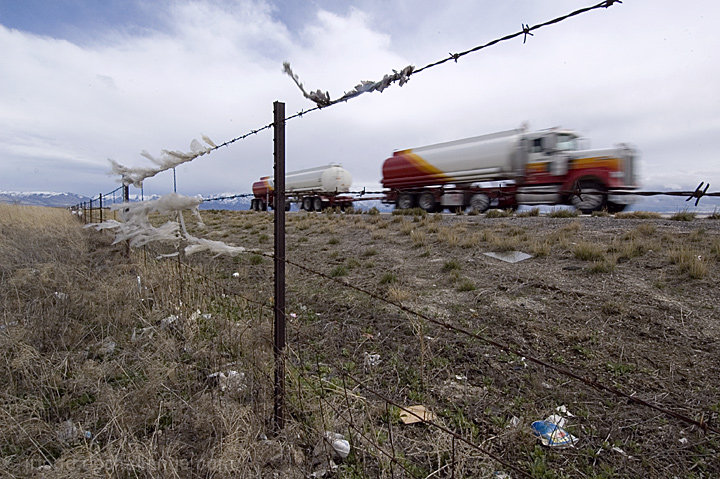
[509,256]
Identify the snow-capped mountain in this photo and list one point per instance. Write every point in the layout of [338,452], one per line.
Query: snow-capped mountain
[41,198]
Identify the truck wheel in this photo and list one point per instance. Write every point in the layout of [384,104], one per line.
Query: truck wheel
[592,197]
[480,202]
[615,207]
[253,204]
[317,203]
[426,201]
[262,205]
[405,201]
[307,203]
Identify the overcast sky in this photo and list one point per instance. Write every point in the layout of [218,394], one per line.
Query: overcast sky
[82,81]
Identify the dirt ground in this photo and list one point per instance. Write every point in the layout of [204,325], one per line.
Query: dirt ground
[629,303]
[110,364]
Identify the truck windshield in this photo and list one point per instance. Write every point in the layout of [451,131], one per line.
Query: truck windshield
[566,142]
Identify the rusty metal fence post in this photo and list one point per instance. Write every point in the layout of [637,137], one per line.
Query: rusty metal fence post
[279,213]
[101,211]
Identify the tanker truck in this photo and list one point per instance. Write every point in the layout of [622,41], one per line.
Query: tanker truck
[313,189]
[531,168]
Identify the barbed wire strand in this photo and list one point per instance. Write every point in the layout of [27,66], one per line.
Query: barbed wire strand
[702,424]
[322,100]
[174,158]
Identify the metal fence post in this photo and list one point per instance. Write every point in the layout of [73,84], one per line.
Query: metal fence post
[90,214]
[279,213]
[101,212]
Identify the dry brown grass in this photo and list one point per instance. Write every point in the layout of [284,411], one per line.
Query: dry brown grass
[95,383]
[152,411]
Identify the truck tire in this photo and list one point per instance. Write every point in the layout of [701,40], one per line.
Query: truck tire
[426,201]
[592,197]
[307,203]
[615,207]
[480,202]
[262,205]
[317,203]
[405,201]
[253,204]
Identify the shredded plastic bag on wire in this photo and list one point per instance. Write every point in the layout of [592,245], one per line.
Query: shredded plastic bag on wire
[320,98]
[137,229]
[323,99]
[168,159]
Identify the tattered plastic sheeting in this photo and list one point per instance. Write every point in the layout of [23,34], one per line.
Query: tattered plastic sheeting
[137,229]
[340,446]
[168,159]
[230,380]
[509,256]
[323,98]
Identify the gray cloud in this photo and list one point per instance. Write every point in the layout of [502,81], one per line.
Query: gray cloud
[639,72]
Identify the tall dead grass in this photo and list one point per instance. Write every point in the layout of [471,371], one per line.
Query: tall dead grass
[106,361]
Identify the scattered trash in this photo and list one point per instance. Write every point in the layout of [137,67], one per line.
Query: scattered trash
[501,475]
[683,440]
[293,315]
[232,380]
[88,435]
[514,422]
[372,360]
[61,296]
[168,322]
[551,432]
[197,315]
[340,446]
[546,385]
[413,414]
[563,410]
[509,256]
[461,377]
[236,274]
[68,432]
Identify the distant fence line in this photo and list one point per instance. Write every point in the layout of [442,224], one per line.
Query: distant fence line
[93,208]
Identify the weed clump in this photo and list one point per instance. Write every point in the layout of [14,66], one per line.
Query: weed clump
[684,215]
[589,251]
[638,215]
[563,213]
[529,213]
[499,213]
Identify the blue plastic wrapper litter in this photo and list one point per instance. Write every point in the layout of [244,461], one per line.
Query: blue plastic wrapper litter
[552,435]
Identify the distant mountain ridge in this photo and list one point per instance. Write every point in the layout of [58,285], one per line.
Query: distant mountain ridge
[41,198]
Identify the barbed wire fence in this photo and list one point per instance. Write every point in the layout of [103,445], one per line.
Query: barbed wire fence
[310,381]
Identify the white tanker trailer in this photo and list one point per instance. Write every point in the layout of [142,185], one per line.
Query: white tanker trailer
[313,188]
[543,167]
